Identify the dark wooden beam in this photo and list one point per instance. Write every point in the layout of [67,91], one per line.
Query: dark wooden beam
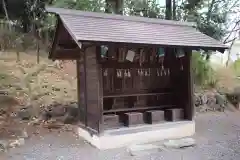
[68,51]
[93,90]
[66,54]
[67,45]
[63,39]
[188,91]
[141,45]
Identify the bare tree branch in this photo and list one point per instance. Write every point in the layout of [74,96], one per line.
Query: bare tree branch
[210,10]
[5,9]
[234,5]
[231,40]
[6,13]
[226,39]
[229,51]
[238,29]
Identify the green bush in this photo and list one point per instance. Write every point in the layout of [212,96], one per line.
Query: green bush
[203,74]
[236,67]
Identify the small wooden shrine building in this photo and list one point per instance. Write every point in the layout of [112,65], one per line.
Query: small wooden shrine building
[131,70]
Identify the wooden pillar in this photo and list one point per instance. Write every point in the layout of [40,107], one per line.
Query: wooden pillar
[81,87]
[188,85]
[94,90]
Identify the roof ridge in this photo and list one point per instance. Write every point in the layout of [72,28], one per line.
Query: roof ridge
[64,11]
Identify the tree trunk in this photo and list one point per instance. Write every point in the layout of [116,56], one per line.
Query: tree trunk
[5,9]
[114,5]
[38,52]
[119,6]
[210,10]
[174,10]
[18,56]
[168,12]
[34,31]
[47,39]
[108,6]
[229,54]
[6,13]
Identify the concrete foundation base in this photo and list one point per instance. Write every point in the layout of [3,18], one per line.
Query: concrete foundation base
[117,138]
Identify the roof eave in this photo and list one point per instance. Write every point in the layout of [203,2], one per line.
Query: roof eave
[220,48]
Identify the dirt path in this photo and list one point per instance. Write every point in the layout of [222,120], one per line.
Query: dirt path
[218,138]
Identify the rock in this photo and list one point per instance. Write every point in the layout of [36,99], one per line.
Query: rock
[232,98]
[60,119]
[204,99]
[52,124]
[211,100]
[215,107]
[24,114]
[73,110]
[2,112]
[235,94]
[197,101]
[236,91]
[17,143]
[180,143]
[139,150]
[3,145]
[237,106]
[2,92]
[44,116]
[24,134]
[221,100]
[73,104]
[202,109]
[69,119]
[55,89]
[35,121]
[219,108]
[56,110]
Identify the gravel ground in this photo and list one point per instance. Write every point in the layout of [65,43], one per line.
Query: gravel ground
[217,136]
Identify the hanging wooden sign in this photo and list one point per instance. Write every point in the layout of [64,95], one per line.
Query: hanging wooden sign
[130,55]
[104,50]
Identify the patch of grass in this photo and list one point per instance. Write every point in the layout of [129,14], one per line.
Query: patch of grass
[226,79]
[235,67]
[203,73]
[38,83]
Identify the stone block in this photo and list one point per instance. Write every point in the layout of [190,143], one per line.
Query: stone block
[143,149]
[133,118]
[180,143]
[111,120]
[154,116]
[174,114]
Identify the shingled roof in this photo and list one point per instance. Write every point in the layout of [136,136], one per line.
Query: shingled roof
[101,27]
